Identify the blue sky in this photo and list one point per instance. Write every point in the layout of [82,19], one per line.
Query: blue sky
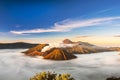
[58,18]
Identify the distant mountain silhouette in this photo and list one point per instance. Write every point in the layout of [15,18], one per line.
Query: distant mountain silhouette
[37,48]
[83,47]
[58,54]
[67,41]
[17,45]
[114,48]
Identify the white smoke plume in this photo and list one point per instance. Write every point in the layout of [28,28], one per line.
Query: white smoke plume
[58,45]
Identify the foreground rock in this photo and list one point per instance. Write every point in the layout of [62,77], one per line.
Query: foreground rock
[35,50]
[113,78]
[58,54]
[17,45]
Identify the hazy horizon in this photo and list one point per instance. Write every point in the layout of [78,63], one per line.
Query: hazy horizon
[105,43]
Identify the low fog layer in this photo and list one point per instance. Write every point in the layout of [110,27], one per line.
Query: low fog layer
[98,66]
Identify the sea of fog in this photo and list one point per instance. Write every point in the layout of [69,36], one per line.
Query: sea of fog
[14,65]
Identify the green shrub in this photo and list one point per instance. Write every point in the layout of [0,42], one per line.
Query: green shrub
[51,76]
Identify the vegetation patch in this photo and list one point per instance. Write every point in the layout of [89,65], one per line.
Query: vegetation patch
[51,76]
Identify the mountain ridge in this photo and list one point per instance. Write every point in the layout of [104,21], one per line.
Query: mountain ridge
[16,45]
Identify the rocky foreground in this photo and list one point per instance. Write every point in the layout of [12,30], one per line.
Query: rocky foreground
[67,50]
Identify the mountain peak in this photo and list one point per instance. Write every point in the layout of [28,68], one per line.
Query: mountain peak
[67,41]
[58,54]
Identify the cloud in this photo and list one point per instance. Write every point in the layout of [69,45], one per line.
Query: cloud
[68,25]
[4,34]
[82,36]
[116,36]
[105,10]
[17,26]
